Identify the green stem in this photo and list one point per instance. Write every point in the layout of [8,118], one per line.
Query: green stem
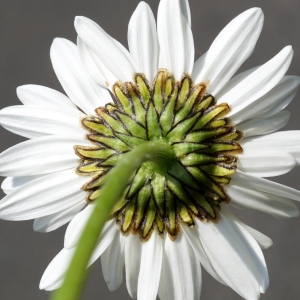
[112,191]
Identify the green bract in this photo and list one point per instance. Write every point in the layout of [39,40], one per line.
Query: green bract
[191,182]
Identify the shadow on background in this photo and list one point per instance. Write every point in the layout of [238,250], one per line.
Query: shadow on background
[27,29]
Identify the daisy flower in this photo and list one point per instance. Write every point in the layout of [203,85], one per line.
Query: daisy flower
[172,217]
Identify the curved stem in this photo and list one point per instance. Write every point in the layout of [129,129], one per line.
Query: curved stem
[112,191]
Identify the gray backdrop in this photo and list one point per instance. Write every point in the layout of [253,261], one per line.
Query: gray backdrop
[27,28]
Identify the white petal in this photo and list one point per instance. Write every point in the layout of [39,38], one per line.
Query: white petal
[31,94]
[150,269]
[43,196]
[175,39]
[56,220]
[235,255]
[80,88]
[112,261]
[77,225]
[230,49]
[133,250]
[181,272]
[234,81]
[285,141]
[185,10]
[10,184]
[33,121]
[112,54]
[263,241]
[143,41]
[265,163]
[277,206]
[41,155]
[193,238]
[198,65]
[266,125]
[259,82]
[272,102]
[55,272]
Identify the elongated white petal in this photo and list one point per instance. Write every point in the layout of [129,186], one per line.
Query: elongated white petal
[56,220]
[151,262]
[199,64]
[43,196]
[31,94]
[245,197]
[112,261]
[230,49]
[41,155]
[55,272]
[234,81]
[272,102]
[133,251]
[264,185]
[185,10]
[143,41]
[33,121]
[76,227]
[175,39]
[266,125]
[285,141]
[235,255]
[180,275]
[80,88]
[194,239]
[259,82]
[266,163]
[10,184]
[112,54]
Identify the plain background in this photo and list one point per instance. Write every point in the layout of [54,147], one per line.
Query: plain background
[27,28]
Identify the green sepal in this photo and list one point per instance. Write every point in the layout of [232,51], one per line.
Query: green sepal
[113,123]
[96,181]
[94,152]
[159,224]
[188,105]
[142,201]
[203,179]
[179,131]
[193,159]
[168,87]
[184,214]
[204,204]
[205,103]
[94,195]
[158,187]
[157,96]
[234,136]
[91,168]
[140,178]
[139,110]
[171,213]
[153,128]
[217,123]
[218,170]
[96,125]
[143,88]
[130,140]
[200,136]
[150,217]
[111,161]
[224,147]
[120,205]
[207,117]
[129,212]
[111,142]
[184,92]
[166,118]
[186,148]
[177,189]
[122,98]
[132,126]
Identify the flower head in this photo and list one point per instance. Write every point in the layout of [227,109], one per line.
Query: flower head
[173,216]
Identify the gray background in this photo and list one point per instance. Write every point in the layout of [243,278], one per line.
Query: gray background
[27,28]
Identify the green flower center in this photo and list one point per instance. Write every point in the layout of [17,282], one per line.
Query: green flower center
[191,182]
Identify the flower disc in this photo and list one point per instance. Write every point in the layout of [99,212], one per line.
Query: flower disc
[191,182]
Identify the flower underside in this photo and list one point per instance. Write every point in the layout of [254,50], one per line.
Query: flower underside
[191,182]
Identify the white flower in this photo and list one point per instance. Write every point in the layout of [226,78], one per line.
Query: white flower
[42,184]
